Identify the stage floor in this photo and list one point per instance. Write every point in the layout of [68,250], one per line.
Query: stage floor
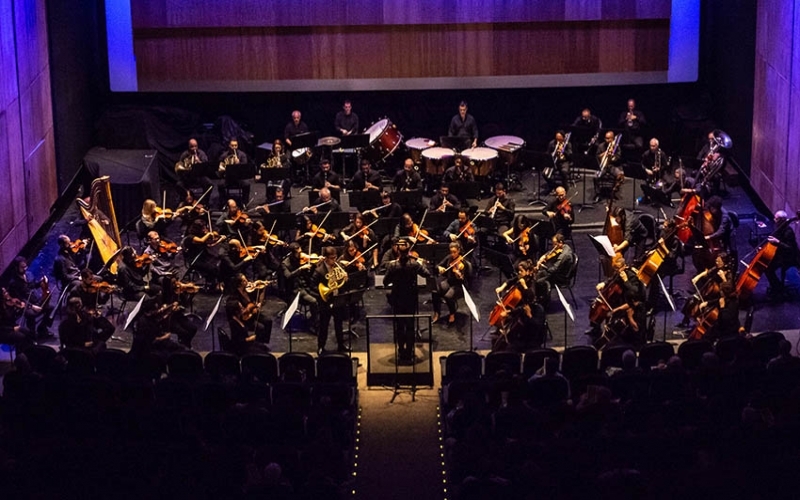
[467,332]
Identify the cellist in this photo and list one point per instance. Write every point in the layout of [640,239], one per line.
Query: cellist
[520,323]
[786,254]
[714,222]
[624,296]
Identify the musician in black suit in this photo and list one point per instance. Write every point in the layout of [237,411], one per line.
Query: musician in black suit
[561,152]
[786,255]
[326,178]
[587,126]
[295,127]
[401,275]
[233,156]
[611,175]
[632,120]
[464,126]
[366,179]
[444,201]
[183,168]
[329,274]
[407,179]
[459,172]
[346,122]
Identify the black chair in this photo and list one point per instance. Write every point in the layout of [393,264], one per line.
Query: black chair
[649,223]
[463,365]
[570,279]
[547,391]
[221,364]
[112,363]
[766,345]
[186,364]
[691,352]
[260,368]
[733,349]
[505,360]
[42,359]
[612,355]
[534,360]
[335,367]
[652,353]
[578,360]
[79,361]
[300,364]
[580,384]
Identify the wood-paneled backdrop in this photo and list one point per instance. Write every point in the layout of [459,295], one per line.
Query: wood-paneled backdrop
[27,154]
[252,40]
[775,169]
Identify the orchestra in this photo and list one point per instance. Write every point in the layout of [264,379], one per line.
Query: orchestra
[317,259]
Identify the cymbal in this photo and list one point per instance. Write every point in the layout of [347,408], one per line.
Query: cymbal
[328,141]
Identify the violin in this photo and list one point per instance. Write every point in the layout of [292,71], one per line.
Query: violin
[309,259]
[189,288]
[98,286]
[564,208]
[252,286]
[143,260]
[239,218]
[77,245]
[163,213]
[268,238]
[16,303]
[318,232]
[421,234]
[167,247]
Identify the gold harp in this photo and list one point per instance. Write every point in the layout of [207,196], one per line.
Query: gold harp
[102,220]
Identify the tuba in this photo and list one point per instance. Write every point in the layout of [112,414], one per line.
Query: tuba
[336,279]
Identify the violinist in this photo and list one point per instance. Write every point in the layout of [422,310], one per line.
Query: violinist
[233,156]
[36,295]
[69,262]
[270,246]
[361,235]
[10,331]
[327,273]
[716,226]
[626,314]
[500,208]
[352,261]
[308,232]
[786,255]
[243,340]
[135,276]
[189,209]
[93,292]
[187,178]
[407,179]
[521,240]
[559,211]
[151,335]
[258,327]
[454,271]
[462,231]
[297,269]
[612,175]
[234,258]
[326,178]
[325,203]
[234,220]
[401,276]
[406,228]
[560,149]
[366,179]
[444,201]
[201,253]
[82,329]
[150,219]
[162,251]
[553,268]
[459,172]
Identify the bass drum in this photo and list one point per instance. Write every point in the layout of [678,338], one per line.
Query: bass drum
[384,138]
[301,156]
[437,160]
[481,160]
[416,146]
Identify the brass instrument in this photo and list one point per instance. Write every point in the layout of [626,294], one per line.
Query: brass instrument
[609,153]
[228,160]
[558,152]
[273,162]
[336,279]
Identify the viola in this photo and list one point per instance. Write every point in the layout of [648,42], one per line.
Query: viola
[77,245]
[143,260]
[239,218]
[98,286]
[564,208]
[421,234]
[189,288]
[167,247]
[524,240]
[309,259]
[269,238]
[252,286]
[163,213]
[318,232]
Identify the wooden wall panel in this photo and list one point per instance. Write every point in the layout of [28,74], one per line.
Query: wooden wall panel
[31,36]
[11,169]
[282,13]
[774,34]
[36,111]
[402,52]
[41,181]
[8,58]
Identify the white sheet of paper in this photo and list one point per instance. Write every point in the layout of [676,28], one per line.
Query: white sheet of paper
[666,293]
[471,305]
[213,313]
[133,313]
[605,243]
[566,305]
[290,312]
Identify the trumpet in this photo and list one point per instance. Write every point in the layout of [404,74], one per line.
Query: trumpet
[336,279]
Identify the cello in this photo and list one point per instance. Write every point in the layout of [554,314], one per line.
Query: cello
[690,204]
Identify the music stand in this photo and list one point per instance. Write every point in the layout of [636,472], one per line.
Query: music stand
[567,313]
[356,143]
[364,200]
[657,196]
[538,161]
[287,316]
[671,305]
[205,169]
[239,172]
[275,175]
[636,172]
[457,143]
[408,199]
[345,300]
[210,321]
[473,309]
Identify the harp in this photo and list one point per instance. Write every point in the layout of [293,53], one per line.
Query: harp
[102,221]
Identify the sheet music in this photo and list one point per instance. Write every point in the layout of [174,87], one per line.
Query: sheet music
[604,242]
[470,304]
[290,311]
[213,313]
[666,294]
[566,305]
[134,313]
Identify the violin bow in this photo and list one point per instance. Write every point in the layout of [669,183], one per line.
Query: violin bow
[360,230]
[459,259]
[528,230]
[467,225]
[311,240]
[202,196]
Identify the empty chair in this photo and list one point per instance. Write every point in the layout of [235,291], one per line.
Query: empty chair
[79,361]
[463,365]
[650,354]
[42,358]
[296,367]
[691,352]
[511,362]
[612,355]
[765,345]
[188,364]
[220,364]
[112,363]
[260,368]
[534,360]
[335,367]
[578,360]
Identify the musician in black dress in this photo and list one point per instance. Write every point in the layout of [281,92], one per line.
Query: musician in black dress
[200,251]
[453,272]
[82,329]
[464,126]
[256,323]
[627,318]
[561,152]
[521,327]
[401,276]
[277,159]
[346,122]
[786,255]
[632,120]
[407,179]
